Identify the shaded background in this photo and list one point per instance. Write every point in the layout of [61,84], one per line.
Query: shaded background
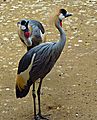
[69,91]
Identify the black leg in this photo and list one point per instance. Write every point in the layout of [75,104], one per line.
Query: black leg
[39,107]
[34,99]
[38,94]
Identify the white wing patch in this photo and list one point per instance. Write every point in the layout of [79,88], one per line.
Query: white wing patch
[41,33]
[25,74]
[43,36]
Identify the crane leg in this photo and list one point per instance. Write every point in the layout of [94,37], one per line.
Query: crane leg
[38,94]
[39,107]
[34,99]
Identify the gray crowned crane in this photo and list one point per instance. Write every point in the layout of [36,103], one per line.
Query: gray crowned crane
[38,62]
[31,32]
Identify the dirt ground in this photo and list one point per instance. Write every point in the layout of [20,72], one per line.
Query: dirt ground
[69,91]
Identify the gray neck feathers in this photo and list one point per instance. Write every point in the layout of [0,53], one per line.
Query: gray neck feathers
[60,44]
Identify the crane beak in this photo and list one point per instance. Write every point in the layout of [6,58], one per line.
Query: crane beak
[68,14]
[18,24]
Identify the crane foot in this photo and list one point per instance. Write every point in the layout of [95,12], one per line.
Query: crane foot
[40,117]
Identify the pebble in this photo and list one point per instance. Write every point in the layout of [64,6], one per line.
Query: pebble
[69,46]
[96,81]
[76,45]
[80,41]
[77,114]
[7,89]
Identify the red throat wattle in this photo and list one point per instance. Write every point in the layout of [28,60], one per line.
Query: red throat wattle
[61,23]
[27,34]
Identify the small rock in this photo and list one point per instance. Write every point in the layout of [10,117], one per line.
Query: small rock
[76,114]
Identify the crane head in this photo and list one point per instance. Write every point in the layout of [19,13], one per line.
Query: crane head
[63,14]
[25,31]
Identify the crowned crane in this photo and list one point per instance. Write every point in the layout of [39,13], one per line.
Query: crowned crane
[31,32]
[38,62]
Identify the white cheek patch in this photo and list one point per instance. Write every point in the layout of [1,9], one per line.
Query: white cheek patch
[61,16]
[22,27]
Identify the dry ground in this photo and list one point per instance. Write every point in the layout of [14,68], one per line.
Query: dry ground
[69,91]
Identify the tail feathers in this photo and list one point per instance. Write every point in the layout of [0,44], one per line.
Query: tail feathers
[23,92]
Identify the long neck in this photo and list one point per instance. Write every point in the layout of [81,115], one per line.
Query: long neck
[62,41]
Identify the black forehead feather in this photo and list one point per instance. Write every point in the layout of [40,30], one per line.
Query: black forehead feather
[23,22]
[63,11]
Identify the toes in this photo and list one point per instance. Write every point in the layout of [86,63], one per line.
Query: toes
[37,117]
[42,117]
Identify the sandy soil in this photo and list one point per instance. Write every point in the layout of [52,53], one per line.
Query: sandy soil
[69,91]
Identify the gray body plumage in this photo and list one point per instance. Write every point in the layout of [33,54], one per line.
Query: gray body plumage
[36,26]
[46,56]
